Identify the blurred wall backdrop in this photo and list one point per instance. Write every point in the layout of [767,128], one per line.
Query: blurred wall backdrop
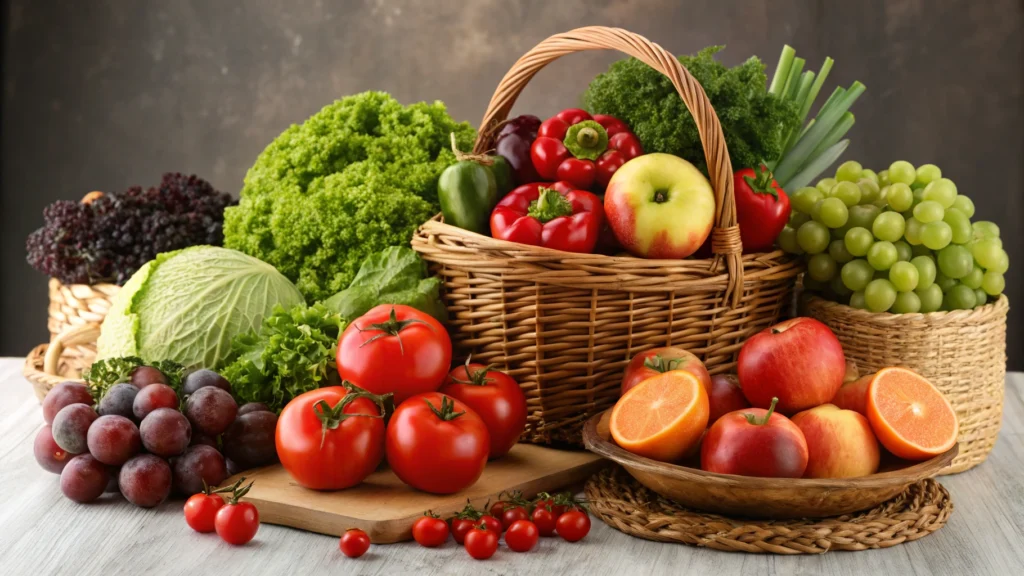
[104,94]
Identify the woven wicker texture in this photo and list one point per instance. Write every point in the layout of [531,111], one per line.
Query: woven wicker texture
[62,359]
[565,325]
[963,353]
[74,305]
[622,503]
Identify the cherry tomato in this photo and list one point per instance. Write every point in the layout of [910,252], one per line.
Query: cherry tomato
[513,514]
[482,542]
[430,531]
[557,504]
[492,523]
[330,438]
[395,348]
[521,536]
[237,523]
[544,519]
[498,508]
[461,526]
[201,510]
[495,397]
[573,525]
[354,543]
[437,444]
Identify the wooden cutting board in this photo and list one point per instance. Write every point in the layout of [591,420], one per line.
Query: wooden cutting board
[385,508]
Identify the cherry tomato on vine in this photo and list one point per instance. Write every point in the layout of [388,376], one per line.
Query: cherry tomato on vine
[544,519]
[495,397]
[330,438]
[354,543]
[492,523]
[573,525]
[395,348]
[430,531]
[464,521]
[201,510]
[237,522]
[513,514]
[521,536]
[482,542]
[436,444]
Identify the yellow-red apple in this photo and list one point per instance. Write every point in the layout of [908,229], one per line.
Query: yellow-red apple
[854,395]
[840,443]
[658,360]
[724,396]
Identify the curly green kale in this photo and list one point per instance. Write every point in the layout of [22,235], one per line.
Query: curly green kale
[356,177]
[754,122]
[293,352]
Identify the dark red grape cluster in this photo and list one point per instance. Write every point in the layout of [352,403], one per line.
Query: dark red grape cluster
[141,440]
[109,238]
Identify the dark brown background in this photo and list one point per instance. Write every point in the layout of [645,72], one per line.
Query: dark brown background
[106,94]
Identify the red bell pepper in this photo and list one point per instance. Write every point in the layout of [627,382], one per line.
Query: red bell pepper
[762,208]
[583,150]
[552,215]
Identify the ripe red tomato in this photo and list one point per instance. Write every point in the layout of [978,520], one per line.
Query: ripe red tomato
[491,522]
[513,514]
[201,510]
[354,543]
[395,348]
[659,360]
[437,444]
[545,520]
[495,397]
[573,525]
[430,531]
[482,542]
[329,439]
[521,536]
[460,527]
[237,523]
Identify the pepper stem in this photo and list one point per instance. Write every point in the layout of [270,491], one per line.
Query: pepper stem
[751,419]
[586,140]
[549,205]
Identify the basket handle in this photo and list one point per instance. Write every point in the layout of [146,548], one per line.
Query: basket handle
[725,236]
[73,336]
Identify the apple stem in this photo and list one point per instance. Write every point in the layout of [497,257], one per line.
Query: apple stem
[752,420]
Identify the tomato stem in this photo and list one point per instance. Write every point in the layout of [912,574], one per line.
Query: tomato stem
[762,183]
[392,327]
[238,491]
[751,419]
[476,377]
[447,412]
[331,418]
[660,364]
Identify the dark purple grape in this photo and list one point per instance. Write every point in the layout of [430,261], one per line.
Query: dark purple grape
[64,394]
[253,407]
[203,378]
[50,457]
[525,125]
[71,427]
[113,439]
[211,410]
[145,375]
[197,464]
[232,468]
[145,480]
[166,432]
[198,438]
[84,478]
[249,441]
[118,401]
[152,397]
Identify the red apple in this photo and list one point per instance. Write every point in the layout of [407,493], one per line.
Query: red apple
[658,360]
[725,395]
[854,395]
[755,442]
[659,206]
[799,361]
[840,443]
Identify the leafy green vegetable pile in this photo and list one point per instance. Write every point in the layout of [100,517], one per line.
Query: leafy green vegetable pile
[396,275]
[105,373]
[356,177]
[754,122]
[294,352]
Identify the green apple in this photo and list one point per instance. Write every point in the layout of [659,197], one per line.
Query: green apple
[660,206]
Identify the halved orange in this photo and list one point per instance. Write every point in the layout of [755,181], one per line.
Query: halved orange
[909,415]
[663,417]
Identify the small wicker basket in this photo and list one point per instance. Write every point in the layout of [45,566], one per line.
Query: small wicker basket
[962,352]
[64,358]
[565,325]
[73,305]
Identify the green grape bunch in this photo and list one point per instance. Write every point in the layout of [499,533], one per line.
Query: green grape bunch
[900,240]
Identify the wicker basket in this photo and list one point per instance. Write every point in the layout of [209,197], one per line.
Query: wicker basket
[962,352]
[62,359]
[73,305]
[565,325]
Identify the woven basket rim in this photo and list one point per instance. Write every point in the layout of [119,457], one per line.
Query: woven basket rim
[57,282]
[1000,307]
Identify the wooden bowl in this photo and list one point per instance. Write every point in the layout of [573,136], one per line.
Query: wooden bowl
[778,498]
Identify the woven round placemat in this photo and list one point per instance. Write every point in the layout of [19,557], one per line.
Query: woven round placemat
[624,504]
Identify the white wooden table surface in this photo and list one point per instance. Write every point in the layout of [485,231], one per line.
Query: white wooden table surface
[41,532]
